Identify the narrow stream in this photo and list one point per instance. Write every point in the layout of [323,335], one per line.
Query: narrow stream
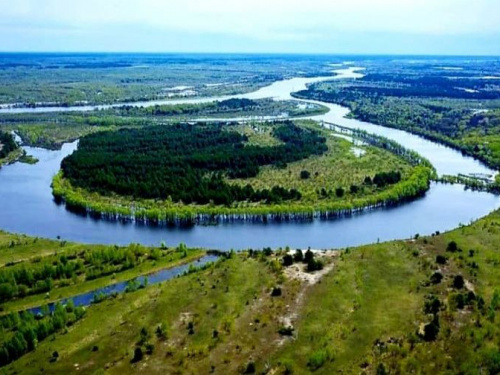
[86,299]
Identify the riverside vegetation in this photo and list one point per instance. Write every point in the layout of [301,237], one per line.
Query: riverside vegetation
[457,108]
[427,305]
[285,170]
[9,150]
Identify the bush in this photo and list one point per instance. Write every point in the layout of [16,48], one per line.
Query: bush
[314,265]
[452,247]
[138,355]
[304,175]
[381,369]
[298,256]
[432,304]
[458,282]
[286,331]
[431,329]
[317,360]
[309,255]
[436,277]
[440,259]
[161,331]
[149,348]
[339,192]
[250,369]
[457,301]
[276,292]
[287,260]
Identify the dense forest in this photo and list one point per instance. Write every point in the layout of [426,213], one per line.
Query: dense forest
[7,144]
[187,163]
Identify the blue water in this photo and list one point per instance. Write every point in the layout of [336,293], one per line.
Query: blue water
[86,299]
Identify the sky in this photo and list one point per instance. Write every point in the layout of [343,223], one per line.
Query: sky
[451,27]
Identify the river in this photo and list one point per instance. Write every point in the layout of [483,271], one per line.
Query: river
[27,205]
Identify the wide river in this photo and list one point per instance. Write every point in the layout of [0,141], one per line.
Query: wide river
[27,206]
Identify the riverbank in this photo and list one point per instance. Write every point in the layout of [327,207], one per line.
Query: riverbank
[12,157]
[82,202]
[380,304]
[35,271]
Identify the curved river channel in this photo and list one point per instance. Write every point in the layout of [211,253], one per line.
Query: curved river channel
[27,206]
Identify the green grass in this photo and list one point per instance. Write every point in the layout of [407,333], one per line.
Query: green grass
[377,294]
[338,167]
[215,299]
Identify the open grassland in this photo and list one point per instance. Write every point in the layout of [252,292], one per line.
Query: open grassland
[426,305]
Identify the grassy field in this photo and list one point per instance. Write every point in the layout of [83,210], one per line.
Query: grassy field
[364,313]
[339,167]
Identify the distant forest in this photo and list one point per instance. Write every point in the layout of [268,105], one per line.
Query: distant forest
[187,163]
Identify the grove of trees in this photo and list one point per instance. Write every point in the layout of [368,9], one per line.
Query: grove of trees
[188,163]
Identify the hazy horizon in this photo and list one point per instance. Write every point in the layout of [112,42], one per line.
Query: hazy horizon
[355,27]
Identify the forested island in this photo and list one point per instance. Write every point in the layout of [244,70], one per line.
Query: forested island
[7,144]
[9,149]
[187,173]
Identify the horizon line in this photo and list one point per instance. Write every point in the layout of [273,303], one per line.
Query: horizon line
[250,53]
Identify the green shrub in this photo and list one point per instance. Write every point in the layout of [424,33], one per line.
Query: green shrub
[317,359]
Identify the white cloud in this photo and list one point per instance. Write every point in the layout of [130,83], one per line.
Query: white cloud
[263,17]
[258,20]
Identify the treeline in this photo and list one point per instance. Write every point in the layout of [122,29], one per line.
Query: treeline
[41,275]
[7,144]
[164,213]
[186,163]
[21,332]
[230,105]
[429,85]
